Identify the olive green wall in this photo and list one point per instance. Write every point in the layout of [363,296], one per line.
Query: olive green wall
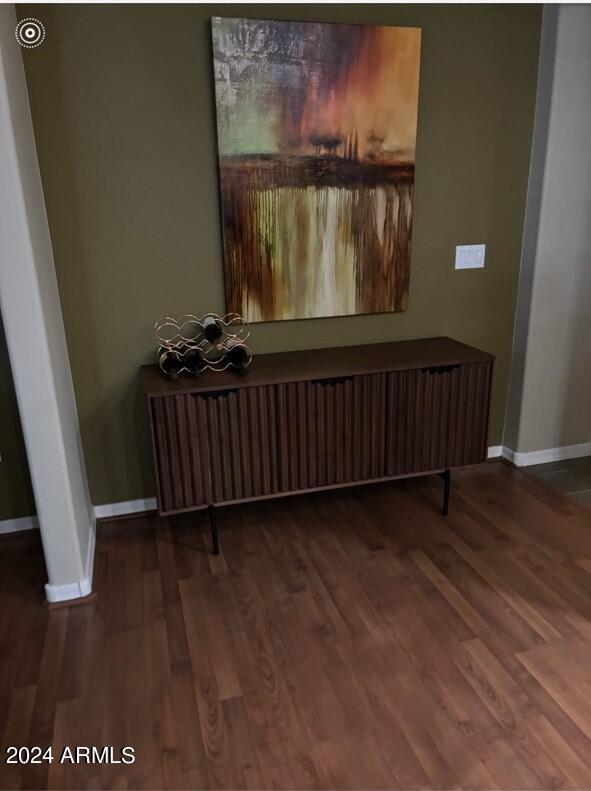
[16,495]
[122,105]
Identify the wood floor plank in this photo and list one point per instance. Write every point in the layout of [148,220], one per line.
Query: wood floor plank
[585,563]
[16,733]
[499,683]
[564,670]
[507,632]
[47,695]
[213,726]
[463,607]
[517,602]
[573,768]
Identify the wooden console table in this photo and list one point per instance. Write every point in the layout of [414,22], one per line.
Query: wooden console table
[318,419]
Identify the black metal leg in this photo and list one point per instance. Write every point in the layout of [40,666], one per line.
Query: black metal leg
[214,531]
[446,475]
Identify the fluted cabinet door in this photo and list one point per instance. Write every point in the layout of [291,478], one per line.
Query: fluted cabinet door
[369,418]
[215,447]
[437,417]
[183,459]
[242,437]
[330,431]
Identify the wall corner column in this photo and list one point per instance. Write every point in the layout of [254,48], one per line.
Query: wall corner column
[31,313]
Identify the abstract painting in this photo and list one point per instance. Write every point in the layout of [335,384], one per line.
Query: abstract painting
[316,137]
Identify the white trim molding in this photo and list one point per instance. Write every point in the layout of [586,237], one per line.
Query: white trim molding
[58,593]
[547,455]
[106,511]
[130,507]
[83,587]
[125,508]
[80,588]
[147,504]
[72,590]
[19,525]
[43,386]
[90,555]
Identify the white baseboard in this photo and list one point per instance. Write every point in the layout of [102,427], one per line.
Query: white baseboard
[18,525]
[55,593]
[125,508]
[72,590]
[90,555]
[130,507]
[528,458]
[108,511]
[82,587]
[508,454]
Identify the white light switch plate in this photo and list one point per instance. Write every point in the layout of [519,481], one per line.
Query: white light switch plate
[470,256]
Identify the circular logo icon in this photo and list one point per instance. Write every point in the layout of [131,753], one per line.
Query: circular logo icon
[30,32]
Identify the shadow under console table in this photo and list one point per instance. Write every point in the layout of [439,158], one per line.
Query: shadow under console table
[317,419]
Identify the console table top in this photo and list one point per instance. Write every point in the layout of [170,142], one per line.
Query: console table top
[320,364]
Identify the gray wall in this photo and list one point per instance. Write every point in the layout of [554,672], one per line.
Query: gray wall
[550,401]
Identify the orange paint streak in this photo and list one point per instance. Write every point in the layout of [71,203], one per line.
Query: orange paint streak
[374,98]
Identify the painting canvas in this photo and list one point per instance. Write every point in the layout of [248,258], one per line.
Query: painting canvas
[316,137]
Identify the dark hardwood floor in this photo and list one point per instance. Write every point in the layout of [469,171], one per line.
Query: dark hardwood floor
[352,639]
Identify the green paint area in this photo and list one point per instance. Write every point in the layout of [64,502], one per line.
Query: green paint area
[127,150]
[251,130]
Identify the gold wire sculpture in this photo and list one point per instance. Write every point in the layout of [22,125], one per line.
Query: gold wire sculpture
[191,344]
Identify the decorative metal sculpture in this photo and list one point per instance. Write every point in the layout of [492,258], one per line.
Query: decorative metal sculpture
[191,345]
